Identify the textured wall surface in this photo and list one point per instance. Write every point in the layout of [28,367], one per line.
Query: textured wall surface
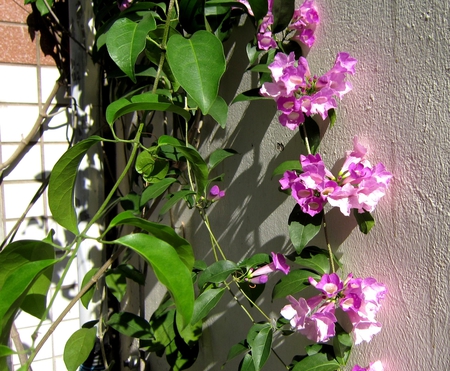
[399,108]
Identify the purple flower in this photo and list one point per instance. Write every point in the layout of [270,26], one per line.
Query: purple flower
[374,366]
[329,284]
[297,93]
[316,323]
[124,4]
[215,193]
[359,185]
[304,22]
[278,264]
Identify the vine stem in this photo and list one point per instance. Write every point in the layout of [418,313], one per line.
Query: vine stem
[163,45]
[211,234]
[66,310]
[254,304]
[95,278]
[330,252]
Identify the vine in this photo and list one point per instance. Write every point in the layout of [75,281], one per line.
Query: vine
[168,58]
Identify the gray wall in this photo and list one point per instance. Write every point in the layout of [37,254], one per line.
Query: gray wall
[399,108]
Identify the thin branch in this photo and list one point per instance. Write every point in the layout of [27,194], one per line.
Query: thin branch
[40,120]
[15,336]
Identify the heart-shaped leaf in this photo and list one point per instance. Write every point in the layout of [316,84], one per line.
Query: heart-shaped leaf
[126,40]
[198,64]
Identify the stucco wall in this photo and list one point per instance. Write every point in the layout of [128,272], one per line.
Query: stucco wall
[399,108]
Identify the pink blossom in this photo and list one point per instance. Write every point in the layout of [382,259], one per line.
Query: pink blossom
[260,275]
[297,93]
[329,284]
[374,366]
[215,193]
[124,4]
[304,22]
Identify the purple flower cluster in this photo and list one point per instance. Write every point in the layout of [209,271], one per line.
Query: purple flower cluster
[359,185]
[359,298]
[374,366]
[303,22]
[124,4]
[261,275]
[297,93]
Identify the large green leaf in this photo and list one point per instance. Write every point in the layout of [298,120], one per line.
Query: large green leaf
[87,297]
[14,291]
[78,347]
[287,165]
[365,221]
[6,351]
[198,64]
[155,190]
[259,8]
[217,272]
[131,325]
[317,362]
[282,10]
[218,156]
[163,232]
[116,282]
[261,347]
[314,258]
[14,256]
[126,40]
[219,111]
[342,345]
[169,269]
[205,303]
[303,227]
[62,183]
[143,102]
[192,15]
[173,199]
[294,282]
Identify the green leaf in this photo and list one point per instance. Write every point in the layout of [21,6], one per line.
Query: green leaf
[218,156]
[174,198]
[62,183]
[126,39]
[143,102]
[219,111]
[252,94]
[205,303]
[192,15]
[287,165]
[303,227]
[132,273]
[282,11]
[163,232]
[18,253]
[332,115]
[78,347]
[152,168]
[317,362]
[116,283]
[314,258]
[14,291]
[259,8]
[342,345]
[365,221]
[87,297]
[155,190]
[261,347]
[254,260]
[42,6]
[199,166]
[263,68]
[5,351]
[198,64]
[247,363]
[236,350]
[313,133]
[169,269]
[292,283]
[217,272]
[130,325]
